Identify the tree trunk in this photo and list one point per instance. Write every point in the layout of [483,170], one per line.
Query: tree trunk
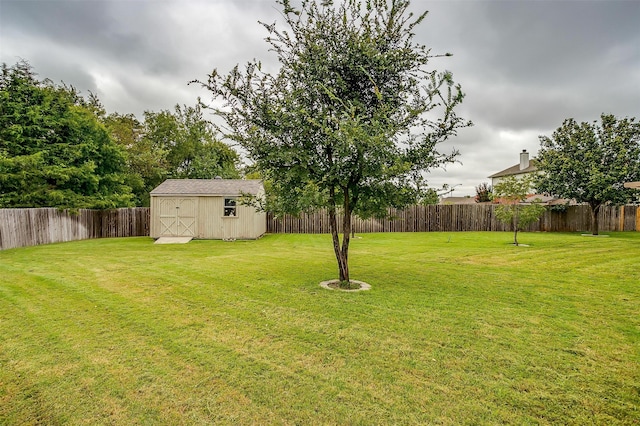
[514,223]
[343,268]
[595,208]
[346,235]
[342,253]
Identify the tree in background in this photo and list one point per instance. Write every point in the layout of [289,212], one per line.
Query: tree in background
[189,143]
[428,197]
[484,193]
[349,120]
[60,149]
[145,164]
[178,144]
[53,150]
[590,162]
[424,194]
[511,193]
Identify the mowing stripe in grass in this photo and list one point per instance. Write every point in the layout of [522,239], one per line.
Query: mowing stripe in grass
[457,329]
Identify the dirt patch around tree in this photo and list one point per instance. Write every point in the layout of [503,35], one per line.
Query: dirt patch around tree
[335,285]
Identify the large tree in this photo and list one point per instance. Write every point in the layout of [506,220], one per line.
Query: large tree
[352,117]
[53,150]
[188,142]
[590,162]
[146,163]
[169,144]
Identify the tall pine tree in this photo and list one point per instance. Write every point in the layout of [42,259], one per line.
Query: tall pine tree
[53,150]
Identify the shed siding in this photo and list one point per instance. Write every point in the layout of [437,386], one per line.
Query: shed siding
[247,224]
[259,222]
[209,214]
[208,219]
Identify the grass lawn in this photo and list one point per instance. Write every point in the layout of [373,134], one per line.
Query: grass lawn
[458,328]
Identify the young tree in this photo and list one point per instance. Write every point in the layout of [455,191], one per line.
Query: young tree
[511,193]
[590,162]
[53,150]
[349,120]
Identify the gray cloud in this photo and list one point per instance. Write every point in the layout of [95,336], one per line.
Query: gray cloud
[524,65]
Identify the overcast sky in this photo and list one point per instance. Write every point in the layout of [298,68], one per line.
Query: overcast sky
[525,66]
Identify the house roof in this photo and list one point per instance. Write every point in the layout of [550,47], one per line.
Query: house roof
[545,200]
[516,170]
[458,200]
[211,187]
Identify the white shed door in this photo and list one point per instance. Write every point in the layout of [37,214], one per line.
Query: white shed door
[178,217]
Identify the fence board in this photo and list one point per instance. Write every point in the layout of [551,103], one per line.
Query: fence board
[30,227]
[461,217]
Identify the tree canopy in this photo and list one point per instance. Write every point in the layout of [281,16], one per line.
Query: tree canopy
[352,119]
[177,144]
[145,163]
[187,139]
[60,149]
[590,162]
[53,150]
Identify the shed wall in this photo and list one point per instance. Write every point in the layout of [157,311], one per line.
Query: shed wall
[247,224]
[210,222]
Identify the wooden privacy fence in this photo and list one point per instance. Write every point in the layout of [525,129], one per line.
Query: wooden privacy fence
[461,217]
[30,227]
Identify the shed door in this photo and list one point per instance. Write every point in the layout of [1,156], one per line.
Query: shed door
[178,217]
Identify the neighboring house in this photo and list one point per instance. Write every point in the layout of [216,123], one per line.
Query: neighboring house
[207,209]
[525,166]
[457,200]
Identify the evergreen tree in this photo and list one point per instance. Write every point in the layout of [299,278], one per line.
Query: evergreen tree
[53,150]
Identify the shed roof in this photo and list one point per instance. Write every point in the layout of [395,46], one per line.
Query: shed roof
[516,170]
[210,187]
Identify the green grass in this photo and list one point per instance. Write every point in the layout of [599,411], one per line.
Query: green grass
[459,328]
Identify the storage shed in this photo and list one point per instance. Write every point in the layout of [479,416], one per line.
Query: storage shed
[206,209]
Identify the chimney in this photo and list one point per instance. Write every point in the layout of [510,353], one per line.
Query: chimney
[524,159]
